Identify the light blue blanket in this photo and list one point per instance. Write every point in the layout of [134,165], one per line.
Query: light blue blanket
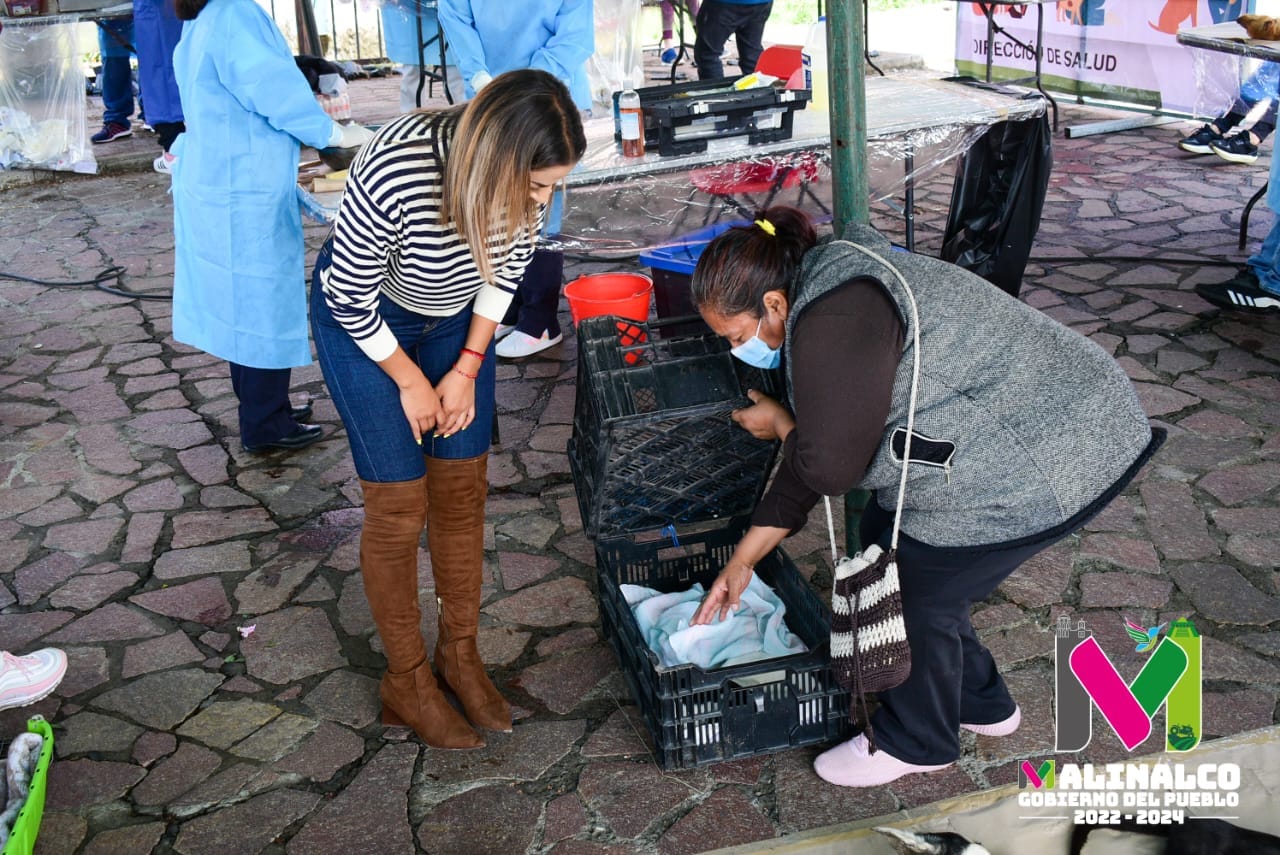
[756,631]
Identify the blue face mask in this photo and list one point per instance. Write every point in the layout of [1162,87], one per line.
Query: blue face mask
[755,352]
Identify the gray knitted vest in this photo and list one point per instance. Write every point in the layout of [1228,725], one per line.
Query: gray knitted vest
[1020,422]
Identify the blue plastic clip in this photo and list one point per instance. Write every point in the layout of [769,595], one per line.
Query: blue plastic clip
[670,531]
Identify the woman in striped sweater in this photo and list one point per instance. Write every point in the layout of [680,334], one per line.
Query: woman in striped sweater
[437,224]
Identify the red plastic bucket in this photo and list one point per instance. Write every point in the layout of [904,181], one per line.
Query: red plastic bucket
[625,295]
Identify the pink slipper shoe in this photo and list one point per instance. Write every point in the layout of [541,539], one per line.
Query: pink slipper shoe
[999,728]
[850,764]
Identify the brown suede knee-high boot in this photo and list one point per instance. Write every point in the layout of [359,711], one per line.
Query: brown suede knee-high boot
[455,535]
[394,514]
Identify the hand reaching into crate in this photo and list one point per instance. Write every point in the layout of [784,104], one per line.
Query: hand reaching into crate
[765,418]
[725,594]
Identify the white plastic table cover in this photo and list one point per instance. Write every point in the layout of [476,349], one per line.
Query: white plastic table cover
[618,206]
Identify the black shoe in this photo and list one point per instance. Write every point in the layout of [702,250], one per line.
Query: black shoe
[301,414]
[302,437]
[1241,292]
[1198,143]
[1235,149]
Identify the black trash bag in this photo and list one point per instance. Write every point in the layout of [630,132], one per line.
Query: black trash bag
[314,66]
[997,199]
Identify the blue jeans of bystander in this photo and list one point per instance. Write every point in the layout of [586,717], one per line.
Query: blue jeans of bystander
[1266,261]
[368,401]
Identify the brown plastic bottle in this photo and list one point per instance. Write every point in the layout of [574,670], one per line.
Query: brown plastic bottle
[631,118]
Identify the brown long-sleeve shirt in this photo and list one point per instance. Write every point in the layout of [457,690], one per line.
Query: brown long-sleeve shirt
[845,350]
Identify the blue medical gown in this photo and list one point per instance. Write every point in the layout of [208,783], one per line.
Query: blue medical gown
[156,33]
[239,288]
[400,32]
[557,36]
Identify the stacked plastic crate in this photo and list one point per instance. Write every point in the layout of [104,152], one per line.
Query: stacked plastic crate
[665,482]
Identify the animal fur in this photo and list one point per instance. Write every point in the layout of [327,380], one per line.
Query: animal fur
[1262,27]
[1194,837]
[944,843]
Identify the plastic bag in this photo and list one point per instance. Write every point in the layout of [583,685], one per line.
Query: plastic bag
[997,199]
[618,53]
[42,103]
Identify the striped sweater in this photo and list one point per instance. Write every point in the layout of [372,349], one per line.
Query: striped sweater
[388,239]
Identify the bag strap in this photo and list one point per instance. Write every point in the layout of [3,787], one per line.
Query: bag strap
[911,406]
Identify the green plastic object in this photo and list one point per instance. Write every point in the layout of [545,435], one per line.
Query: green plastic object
[22,840]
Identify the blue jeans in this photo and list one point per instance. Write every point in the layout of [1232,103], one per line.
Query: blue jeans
[1266,261]
[117,75]
[368,401]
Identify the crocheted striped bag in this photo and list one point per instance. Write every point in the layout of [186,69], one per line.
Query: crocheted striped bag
[869,649]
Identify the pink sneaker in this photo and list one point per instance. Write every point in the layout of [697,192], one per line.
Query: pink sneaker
[999,728]
[26,679]
[850,764]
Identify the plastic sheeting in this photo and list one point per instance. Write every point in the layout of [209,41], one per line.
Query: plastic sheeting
[618,206]
[618,53]
[1221,78]
[42,102]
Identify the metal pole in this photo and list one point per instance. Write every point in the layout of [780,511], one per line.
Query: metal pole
[846,73]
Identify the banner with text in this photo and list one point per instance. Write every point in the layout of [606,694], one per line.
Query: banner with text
[1108,49]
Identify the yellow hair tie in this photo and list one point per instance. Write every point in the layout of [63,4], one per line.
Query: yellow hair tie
[767,228]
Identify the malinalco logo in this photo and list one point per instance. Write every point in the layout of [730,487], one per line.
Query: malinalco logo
[1086,678]
[1038,777]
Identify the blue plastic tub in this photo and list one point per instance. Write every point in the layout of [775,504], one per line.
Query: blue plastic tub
[672,265]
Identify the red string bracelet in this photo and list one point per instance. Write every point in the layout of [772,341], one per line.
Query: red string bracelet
[477,354]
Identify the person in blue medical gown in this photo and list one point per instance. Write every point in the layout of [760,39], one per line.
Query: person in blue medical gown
[401,34]
[156,30]
[239,290]
[556,36]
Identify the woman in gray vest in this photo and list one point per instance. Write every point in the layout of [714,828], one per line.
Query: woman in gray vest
[1023,431]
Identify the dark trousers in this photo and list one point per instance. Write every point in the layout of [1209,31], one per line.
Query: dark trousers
[533,309]
[953,677]
[167,132]
[117,90]
[264,403]
[717,21]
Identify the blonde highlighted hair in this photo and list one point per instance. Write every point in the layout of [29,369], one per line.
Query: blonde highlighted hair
[521,121]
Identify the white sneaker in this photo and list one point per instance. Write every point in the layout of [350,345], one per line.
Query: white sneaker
[518,344]
[26,679]
[502,331]
[164,163]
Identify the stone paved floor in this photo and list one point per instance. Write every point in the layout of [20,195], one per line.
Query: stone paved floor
[136,534]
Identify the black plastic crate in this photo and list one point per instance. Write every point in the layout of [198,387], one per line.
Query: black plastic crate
[762,115]
[652,94]
[653,443]
[699,716]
